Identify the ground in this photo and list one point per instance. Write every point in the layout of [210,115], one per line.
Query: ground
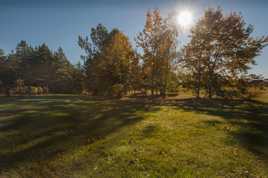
[77,136]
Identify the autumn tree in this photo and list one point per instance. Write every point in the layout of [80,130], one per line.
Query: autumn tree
[158,43]
[119,61]
[220,52]
[109,60]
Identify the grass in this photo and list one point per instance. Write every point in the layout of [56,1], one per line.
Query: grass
[74,136]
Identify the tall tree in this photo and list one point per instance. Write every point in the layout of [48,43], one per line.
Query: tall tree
[63,73]
[7,73]
[221,50]
[118,60]
[92,46]
[40,67]
[109,60]
[158,42]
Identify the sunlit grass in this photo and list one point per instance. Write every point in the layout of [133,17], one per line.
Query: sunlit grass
[73,136]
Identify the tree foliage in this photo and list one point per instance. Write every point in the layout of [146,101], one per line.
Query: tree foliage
[39,67]
[110,60]
[158,42]
[216,61]
[221,52]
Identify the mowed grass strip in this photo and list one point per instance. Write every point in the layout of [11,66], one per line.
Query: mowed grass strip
[74,136]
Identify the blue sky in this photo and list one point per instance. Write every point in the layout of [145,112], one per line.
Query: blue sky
[59,22]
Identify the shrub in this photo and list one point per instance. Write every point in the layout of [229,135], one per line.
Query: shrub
[45,90]
[117,90]
[85,93]
[20,88]
[34,90]
[40,90]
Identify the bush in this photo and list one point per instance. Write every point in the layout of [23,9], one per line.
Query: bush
[85,93]
[117,90]
[253,92]
[45,90]
[40,91]
[20,88]
[34,90]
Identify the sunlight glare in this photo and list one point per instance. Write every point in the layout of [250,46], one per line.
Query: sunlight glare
[185,18]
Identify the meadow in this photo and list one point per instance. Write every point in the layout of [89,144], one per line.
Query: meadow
[79,136]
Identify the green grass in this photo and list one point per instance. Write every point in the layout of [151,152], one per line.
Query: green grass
[73,136]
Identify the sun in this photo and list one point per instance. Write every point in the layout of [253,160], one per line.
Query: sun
[185,18]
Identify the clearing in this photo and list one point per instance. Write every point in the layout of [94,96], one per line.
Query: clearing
[75,136]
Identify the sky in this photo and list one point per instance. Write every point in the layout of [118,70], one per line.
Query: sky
[59,22]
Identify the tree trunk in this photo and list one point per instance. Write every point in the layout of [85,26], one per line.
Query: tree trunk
[209,91]
[198,87]
[198,80]
[210,83]
[197,92]
[7,91]
[163,92]
[152,91]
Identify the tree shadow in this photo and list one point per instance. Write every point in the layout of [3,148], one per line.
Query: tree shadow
[250,116]
[58,124]
[149,130]
[40,128]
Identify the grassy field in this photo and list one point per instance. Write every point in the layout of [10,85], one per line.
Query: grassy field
[75,136]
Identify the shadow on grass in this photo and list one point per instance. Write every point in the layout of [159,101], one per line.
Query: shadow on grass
[36,129]
[251,117]
[51,125]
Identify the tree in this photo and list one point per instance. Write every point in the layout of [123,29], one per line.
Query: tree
[220,52]
[109,60]
[62,79]
[34,65]
[38,67]
[22,58]
[118,61]
[92,47]
[135,70]
[78,78]
[158,42]
[7,73]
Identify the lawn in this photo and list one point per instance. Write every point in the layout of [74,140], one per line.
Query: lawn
[75,136]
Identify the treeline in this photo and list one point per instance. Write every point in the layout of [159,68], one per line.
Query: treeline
[37,70]
[113,67]
[214,63]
